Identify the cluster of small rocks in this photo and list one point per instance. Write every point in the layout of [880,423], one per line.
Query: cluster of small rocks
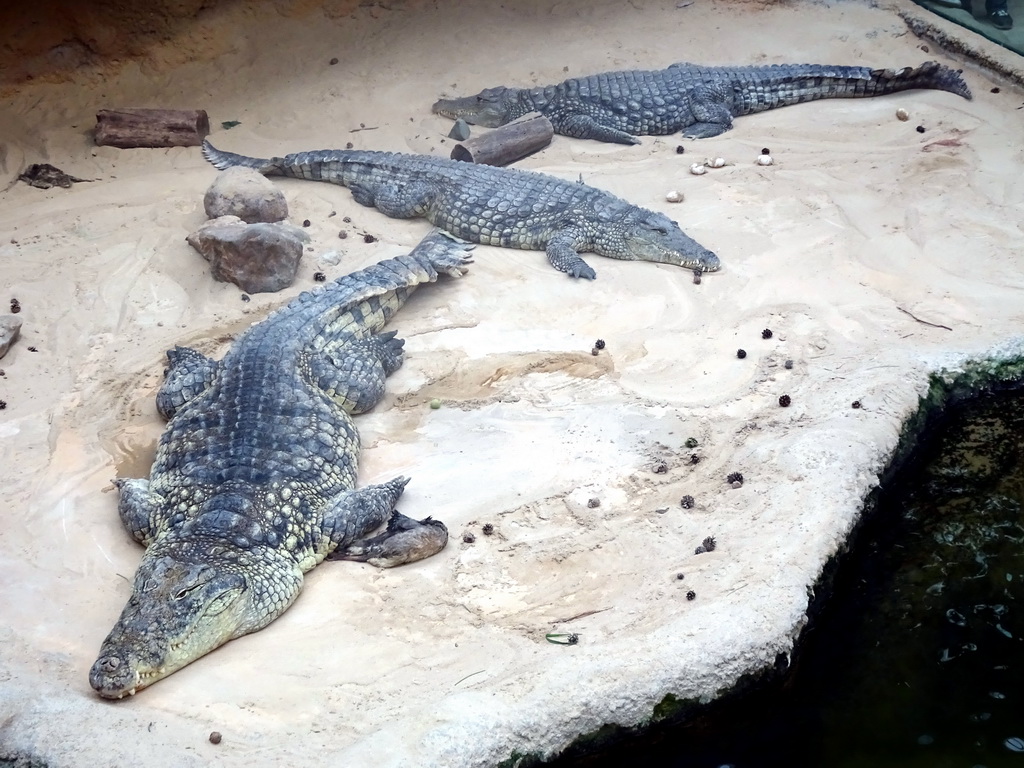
[247,241]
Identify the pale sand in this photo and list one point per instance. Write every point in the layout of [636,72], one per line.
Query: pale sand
[444,662]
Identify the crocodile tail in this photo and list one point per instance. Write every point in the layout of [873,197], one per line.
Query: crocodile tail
[931,74]
[778,85]
[222,160]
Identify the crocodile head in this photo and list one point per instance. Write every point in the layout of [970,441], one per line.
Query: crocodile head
[652,236]
[490,108]
[185,602]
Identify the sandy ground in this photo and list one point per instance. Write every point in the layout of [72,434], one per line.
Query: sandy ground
[862,223]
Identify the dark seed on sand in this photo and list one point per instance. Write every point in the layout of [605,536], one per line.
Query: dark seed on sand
[599,344]
[347,219]
[660,468]
[691,595]
[995,90]
[680,149]
[3,404]
[767,333]
[680,576]
[349,145]
[343,234]
[694,458]
[920,129]
[765,151]
[686,502]
[333,61]
[741,353]
[788,365]
[488,529]
[245,297]
[15,306]
[468,538]
[696,276]
[215,737]
[319,276]
[709,544]
[785,401]
[734,478]
[369,239]
[32,349]
[306,223]
[855,404]
[691,442]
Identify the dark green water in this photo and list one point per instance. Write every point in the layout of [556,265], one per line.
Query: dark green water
[916,658]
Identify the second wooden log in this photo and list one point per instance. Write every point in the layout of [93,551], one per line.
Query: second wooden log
[128,128]
[508,143]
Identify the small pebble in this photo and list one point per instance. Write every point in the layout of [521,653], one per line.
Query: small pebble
[435,403]
[855,404]
[245,297]
[15,306]
[349,145]
[718,162]
[593,503]
[674,196]
[925,48]
[343,234]
[468,538]
[691,595]
[686,502]
[767,333]
[333,61]
[459,131]
[660,468]
[902,114]
[306,222]
[488,529]
[680,576]
[741,353]
[696,275]
[347,219]
[369,239]
[215,737]
[788,365]
[691,442]
[697,169]
[595,351]
[995,90]
[680,149]
[920,129]
[694,458]
[765,160]
[785,401]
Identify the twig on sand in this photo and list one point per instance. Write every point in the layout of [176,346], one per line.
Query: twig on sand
[923,322]
[365,128]
[580,616]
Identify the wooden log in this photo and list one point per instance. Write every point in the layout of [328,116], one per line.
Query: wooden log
[127,128]
[508,143]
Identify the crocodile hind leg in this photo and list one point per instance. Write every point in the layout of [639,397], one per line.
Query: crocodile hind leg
[563,257]
[405,541]
[399,201]
[141,510]
[188,373]
[586,127]
[351,515]
[711,116]
[354,375]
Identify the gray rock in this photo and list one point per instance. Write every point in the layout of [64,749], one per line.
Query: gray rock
[258,258]
[331,258]
[10,329]
[244,193]
[459,131]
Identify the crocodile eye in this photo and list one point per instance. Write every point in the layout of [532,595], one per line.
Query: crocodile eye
[661,230]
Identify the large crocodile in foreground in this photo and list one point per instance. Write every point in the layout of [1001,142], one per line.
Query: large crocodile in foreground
[254,478]
[494,206]
[699,101]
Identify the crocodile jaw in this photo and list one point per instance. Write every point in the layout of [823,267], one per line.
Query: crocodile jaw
[490,108]
[178,612]
[659,239]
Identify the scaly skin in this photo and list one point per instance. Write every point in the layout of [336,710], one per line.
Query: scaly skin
[699,101]
[254,478]
[494,206]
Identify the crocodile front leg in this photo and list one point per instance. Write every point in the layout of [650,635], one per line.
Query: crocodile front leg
[562,254]
[586,127]
[188,373]
[141,510]
[399,201]
[351,515]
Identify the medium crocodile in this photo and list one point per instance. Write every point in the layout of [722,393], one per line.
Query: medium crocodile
[699,101]
[495,206]
[254,478]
